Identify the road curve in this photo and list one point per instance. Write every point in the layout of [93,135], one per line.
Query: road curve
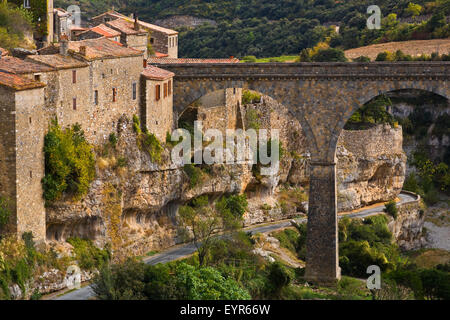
[183,251]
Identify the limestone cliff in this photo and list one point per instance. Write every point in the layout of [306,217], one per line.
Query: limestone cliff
[371,166]
[133,202]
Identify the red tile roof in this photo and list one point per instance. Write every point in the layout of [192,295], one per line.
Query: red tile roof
[58,61]
[161,55]
[103,30]
[125,26]
[155,73]
[155,60]
[19,66]
[4,52]
[141,23]
[102,48]
[18,83]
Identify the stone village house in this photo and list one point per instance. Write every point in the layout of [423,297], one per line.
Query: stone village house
[91,82]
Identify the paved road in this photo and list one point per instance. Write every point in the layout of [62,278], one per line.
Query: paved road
[183,251]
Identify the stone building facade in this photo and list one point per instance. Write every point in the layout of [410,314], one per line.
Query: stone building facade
[21,156]
[93,83]
[163,40]
[157,105]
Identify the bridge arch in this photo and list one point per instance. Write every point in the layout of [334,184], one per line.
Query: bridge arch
[374,93]
[322,96]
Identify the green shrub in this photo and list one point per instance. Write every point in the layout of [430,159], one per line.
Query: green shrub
[391,209]
[69,163]
[148,141]
[5,212]
[250,97]
[113,139]
[362,59]
[329,55]
[194,173]
[288,239]
[153,146]
[89,257]
[279,278]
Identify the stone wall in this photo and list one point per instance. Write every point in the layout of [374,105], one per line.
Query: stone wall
[157,116]
[371,166]
[8,153]
[22,119]
[138,42]
[31,127]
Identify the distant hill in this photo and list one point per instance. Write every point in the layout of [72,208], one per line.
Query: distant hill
[413,48]
[268,28]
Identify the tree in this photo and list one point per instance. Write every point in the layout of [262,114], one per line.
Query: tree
[413,9]
[199,221]
[329,55]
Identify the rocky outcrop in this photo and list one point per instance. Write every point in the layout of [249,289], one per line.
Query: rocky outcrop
[371,166]
[134,207]
[407,227]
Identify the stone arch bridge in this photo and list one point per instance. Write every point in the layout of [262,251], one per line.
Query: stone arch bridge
[322,96]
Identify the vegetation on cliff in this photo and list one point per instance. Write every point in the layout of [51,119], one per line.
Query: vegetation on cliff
[15,23]
[69,163]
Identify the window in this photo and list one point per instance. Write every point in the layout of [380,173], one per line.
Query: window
[74,103]
[74,76]
[37,77]
[134,90]
[31,174]
[165,90]
[152,40]
[114,94]
[30,120]
[26,4]
[158,92]
[170,87]
[96,97]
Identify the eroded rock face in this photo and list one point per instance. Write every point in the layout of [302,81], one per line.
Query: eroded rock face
[135,206]
[407,228]
[371,166]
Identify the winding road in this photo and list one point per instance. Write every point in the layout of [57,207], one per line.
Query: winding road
[186,250]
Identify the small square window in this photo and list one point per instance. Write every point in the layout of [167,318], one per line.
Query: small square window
[37,77]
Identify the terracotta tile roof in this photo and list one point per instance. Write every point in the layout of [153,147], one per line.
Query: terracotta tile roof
[153,27]
[103,30]
[141,23]
[101,48]
[160,55]
[125,26]
[58,61]
[18,83]
[19,66]
[78,29]
[111,13]
[154,60]
[4,52]
[155,73]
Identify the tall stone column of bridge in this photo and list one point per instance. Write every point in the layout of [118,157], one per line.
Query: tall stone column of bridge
[322,96]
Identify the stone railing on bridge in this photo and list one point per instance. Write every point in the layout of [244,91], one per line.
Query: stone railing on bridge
[327,70]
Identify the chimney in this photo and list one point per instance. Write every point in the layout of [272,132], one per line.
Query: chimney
[64,45]
[83,50]
[136,23]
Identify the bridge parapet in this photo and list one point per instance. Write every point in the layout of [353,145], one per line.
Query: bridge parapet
[249,71]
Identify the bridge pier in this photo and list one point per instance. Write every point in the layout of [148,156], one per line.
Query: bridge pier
[322,256]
